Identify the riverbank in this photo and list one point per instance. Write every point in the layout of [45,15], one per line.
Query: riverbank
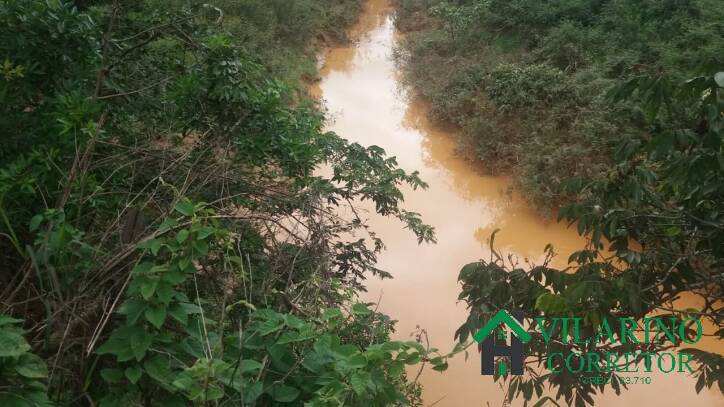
[365,101]
[527,84]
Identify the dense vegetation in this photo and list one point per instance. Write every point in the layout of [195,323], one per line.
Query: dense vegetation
[616,107]
[164,239]
[527,81]
[665,192]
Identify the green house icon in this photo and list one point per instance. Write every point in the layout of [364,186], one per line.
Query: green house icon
[502,317]
[489,349]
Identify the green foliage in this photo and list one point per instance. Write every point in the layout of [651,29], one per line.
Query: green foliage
[514,87]
[169,346]
[47,47]
[526,82]
[665,193]
[280,32]
[164,232]
[588,105]
[22,373]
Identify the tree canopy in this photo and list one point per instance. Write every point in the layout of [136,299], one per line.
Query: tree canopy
[165,237]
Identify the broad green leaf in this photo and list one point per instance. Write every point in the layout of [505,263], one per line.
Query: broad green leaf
[148,288]
[182,235]
[174,276]
[143,268]
[185,207]
[158,368]
[184,381]
[252,392]
[32,366]
[112,375]
[283,393]
[156,315]
[357,361]
[178,313]
[133,374]
[201,247]
[165,292]
[140,342]
[359,381]
[12,342]
[132,309]
[441,367]
[270,326]
[249,365]
[289,337]
[35,222]
[205,232]
[167,224]
[117,345]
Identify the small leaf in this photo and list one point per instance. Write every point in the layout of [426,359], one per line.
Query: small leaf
[35,222]
[357,361]
[32,366]
[185,207]
[673,231]
[700,383]
[12,343]
[201,247]
[331,313]
[284,394]
[182,235]
[205,232]
[360,309]
[133,374]
[359,383]
[252,392]
[167,224]
[142,268]
[140,342]
[249,365]
[148,288]
[156,315]
[270,326]
[178,313]
[112,375]
[158,368]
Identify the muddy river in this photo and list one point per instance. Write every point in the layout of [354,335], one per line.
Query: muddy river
[362,93]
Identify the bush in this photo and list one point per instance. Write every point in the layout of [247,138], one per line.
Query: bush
[164,239]
[22,373]
[524,80]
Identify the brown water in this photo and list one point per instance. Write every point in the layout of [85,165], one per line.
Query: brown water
[362,93]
